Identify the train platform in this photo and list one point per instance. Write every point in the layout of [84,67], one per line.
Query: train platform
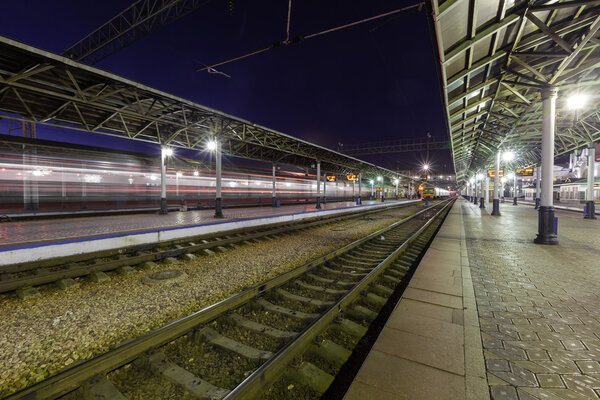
[31,240]
[490,314]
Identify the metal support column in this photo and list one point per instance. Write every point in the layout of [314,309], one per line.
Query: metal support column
[538,185]
[590,207]
[475,193]
[163,181]
[397,192]
[318,185]
[382,189]
[546,230]
[218,200]
[515,191]
[481,193]
[359,186]
[496,201]
[325,188]
[274,194]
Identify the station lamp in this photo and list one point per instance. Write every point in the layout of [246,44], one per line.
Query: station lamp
[167,151]
[371,181]
[511,175]
[479,177]
[508,156]
[396,181]
[379,179]
[211,145]
[577,101]
[196,173]
[426,167]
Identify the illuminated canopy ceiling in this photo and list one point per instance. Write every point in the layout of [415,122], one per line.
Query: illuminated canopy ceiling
[494,58]
[46,88]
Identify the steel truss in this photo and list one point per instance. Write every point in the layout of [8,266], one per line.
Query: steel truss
[136,21]
[45,88]
[396,146]
[495,60]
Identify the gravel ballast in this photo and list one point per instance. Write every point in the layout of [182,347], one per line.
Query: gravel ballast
[41,336]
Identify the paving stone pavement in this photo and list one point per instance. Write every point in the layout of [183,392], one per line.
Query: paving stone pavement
[539,306]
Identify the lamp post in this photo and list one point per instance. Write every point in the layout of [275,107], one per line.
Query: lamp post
[590,207]
[496,201]
[481,183]
[164,153]
[318,206]
[380,179]
[397,181]
[214,145]
[546,232]
[513,176]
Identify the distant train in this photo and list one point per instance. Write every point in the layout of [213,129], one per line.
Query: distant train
[431,192]
[50,183]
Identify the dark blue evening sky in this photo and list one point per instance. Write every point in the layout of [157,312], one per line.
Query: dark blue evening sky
[372,82]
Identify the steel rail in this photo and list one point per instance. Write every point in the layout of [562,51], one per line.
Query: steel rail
[271,370]
[76,375]
[72,271]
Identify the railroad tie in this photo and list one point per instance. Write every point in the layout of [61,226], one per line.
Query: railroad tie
[215,338]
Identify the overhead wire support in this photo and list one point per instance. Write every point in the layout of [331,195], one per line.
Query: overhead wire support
[299,39]
[136,21]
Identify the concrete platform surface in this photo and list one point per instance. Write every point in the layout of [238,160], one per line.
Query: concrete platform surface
[28,241]
[41,230]
[490,314]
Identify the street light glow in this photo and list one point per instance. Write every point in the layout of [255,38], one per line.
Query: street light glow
[379,178]
[508,155]
[426,167]
[211,145]
[371,180]
[167,151]
[479,177]
[577,101]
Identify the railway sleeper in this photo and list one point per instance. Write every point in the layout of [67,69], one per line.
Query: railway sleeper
[306,300]
[159,364]
[351,327]
[382,290]
[330,281]
[341,261]
[335,292]
[260,328]
[286,311]
[330,351]
[310,375]
[213,337]
[343,264]
[390,279]
[362,313]
[374,299]
[100,387]
[333,271]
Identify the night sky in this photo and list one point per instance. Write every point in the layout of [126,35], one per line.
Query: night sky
[376,81]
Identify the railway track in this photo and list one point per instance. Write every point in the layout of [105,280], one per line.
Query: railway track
[23,278]
[290,334]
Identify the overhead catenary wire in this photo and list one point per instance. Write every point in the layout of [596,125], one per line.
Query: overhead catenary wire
[313,35]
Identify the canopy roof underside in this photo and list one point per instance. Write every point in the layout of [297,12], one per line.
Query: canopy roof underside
[45,88]
[495,58]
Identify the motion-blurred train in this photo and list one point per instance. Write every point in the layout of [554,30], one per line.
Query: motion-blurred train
[52,180]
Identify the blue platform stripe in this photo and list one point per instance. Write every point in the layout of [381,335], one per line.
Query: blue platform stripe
[117,235]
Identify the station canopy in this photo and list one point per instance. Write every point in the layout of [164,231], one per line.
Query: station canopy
[46,88]
[496,56]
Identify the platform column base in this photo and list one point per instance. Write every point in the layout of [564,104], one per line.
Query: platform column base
[481,202]
[475,200]
[496,207]
[324,200]
[318,206]
[537,203]
[163,207]
[590,210]
[218,208]
[546,233]
[382,199]
[515,201]
[274,201]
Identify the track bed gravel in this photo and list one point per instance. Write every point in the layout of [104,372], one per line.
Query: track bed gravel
[41,336]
